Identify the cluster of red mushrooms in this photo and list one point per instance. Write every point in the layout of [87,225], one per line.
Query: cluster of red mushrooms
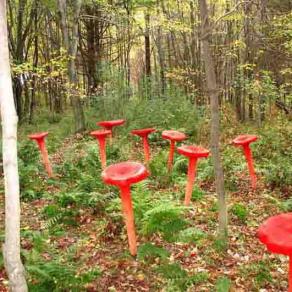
[276,232]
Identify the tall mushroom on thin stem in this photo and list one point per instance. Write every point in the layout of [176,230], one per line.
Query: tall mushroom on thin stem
[109,125]
[193,153]
[40,139]
[244,141]
[173,137]
[123,175]
[101,135]
[276,234]
[143,133]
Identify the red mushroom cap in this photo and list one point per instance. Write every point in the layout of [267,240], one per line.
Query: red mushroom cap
[276,234]
[143,132]
[100,133]
[124,173]
[173,135]
[110,124]
[244,139]
[193,151]
[38,136]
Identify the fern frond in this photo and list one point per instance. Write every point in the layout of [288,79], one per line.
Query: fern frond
[52,221]
[149,251]
[166,218]
[180,165]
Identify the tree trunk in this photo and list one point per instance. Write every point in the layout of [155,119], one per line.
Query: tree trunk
[35,65]
[11,247]
[215,118]
[249,54]
[161,57]
[147,46]
[161,54]
[71,47]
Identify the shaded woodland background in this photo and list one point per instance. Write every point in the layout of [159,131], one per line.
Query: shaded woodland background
[129,50]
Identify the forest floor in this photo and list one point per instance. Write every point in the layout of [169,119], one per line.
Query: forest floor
[94,239]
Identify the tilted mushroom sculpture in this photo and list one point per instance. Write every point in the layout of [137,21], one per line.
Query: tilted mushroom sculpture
[109,125]
[101,135]
[244,141]
[40,139]
[144,133]
[193,153]
[276,234]
[123,175]
[173,137]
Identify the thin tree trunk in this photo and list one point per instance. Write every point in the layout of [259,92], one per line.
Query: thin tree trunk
[127,4]
[147,46]
[161,58]
[215,118]
[161,55]
[147,56]
[11,247]
[35,64]
[71,46]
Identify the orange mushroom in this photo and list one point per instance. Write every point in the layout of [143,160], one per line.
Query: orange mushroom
[109,125]
[173,137]
[123,175]
[276,234]
[193,153]
[40,139]
[143,133]
[244,141]
[101,135]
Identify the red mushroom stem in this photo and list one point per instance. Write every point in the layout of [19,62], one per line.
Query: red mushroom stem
[171,155]
[129,218]
[191,179]
[101,135]
[248,156]
[146,149]
[122,175]
[45,156]
[102,151]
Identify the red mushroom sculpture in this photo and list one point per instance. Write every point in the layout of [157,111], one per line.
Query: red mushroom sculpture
[244,141]
[193,153]
[143,133]
[276,234]
[123,175]
[173,137]
[108,125]
[40,139]
[101,135]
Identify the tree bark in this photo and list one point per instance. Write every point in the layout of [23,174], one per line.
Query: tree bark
[249,53]
[71,47]
[215,118]
[161,54]
[11,247]
[147,46]
[35,65]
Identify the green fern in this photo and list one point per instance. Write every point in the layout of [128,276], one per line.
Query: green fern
[52,221]
[143,200]
[166,218]
[148,252]
[57,275]
[53,276]
[223,284]
[180,165]
[191,235]
[172,271]
[178,278]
